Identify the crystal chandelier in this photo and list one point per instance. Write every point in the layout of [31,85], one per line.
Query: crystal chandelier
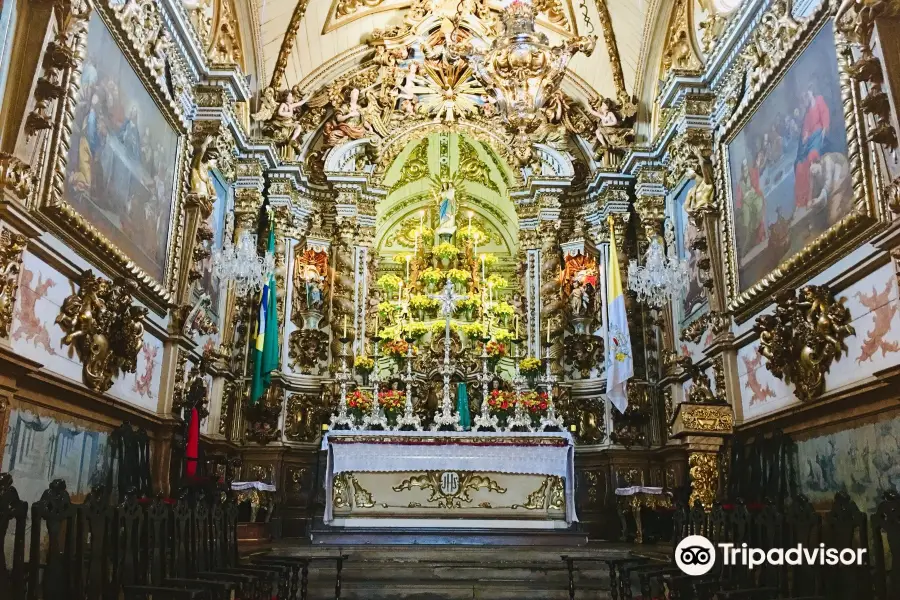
[521,69]
[664,276]
[241,264]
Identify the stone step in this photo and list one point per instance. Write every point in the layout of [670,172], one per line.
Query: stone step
[378,589]
[440,536]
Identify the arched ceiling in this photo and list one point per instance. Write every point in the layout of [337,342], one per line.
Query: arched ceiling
[307,37]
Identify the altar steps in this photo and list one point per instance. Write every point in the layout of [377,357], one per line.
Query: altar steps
[444,536]
[460,573]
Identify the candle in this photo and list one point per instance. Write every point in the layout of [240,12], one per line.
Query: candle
[376,323]
[407,268]
[400,292]
[345,326]
[482,269]
[516,320]
[472,237]
[548,331]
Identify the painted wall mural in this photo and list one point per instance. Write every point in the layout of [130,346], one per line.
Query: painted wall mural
[860,461]
[788,165]
[121,164]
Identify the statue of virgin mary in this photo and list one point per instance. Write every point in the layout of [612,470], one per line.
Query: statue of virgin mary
[446,212]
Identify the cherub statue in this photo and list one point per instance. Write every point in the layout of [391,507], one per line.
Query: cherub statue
[606,120]
[204,159]
[579,300]
[348,122]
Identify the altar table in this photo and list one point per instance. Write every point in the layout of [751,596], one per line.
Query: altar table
[450,479]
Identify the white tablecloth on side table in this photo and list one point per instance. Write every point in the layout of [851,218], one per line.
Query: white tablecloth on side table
[542,453]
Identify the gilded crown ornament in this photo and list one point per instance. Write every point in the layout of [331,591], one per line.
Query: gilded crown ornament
[803,337]
[103,327]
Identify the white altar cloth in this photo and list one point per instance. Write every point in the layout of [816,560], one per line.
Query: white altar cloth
[479,451]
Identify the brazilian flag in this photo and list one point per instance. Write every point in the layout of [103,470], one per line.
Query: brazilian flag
[265,350]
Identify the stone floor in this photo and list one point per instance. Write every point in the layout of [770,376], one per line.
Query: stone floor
[456,572]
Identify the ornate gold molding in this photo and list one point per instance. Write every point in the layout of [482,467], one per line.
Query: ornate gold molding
[802,338]
[12,246]
[468,482]
[704,472]
[304,417]
[15,176]
[307,348]
[287,43]
[104,327]
[705,418]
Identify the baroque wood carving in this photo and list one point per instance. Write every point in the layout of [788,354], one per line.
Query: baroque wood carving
[103,327]
[12,245]
[803,337]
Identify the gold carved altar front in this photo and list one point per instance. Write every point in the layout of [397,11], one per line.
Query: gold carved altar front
[449,494]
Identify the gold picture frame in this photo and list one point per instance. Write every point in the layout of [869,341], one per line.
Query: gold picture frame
[154,59]
[867,212]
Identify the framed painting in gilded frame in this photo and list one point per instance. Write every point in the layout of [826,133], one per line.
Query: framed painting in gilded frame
[795,171]
[112,185]
[694,303]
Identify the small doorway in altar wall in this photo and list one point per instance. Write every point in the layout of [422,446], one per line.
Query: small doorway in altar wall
[449,483]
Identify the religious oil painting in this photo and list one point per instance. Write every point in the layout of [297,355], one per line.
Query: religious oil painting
[122,156]
[209,281]
[686,233]
[789,169]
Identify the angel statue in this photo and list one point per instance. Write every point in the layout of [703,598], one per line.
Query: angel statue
[405,90]
[606,120]
[348,122]
[279,118]
[701,196]
[446,212]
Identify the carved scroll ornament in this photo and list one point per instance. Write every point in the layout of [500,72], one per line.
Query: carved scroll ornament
[103,327]
[11,248]
[803,337]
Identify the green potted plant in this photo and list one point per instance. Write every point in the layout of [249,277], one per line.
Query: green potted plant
[474,331]
[414,329]
[432,278]
[497,282]
[503,311]
[446,253]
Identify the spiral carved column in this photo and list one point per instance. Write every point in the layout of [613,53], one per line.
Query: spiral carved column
[342,285]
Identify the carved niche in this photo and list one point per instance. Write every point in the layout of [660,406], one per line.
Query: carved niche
[262,417]
[802,338]
[11,247]
[305,415]
[103,327]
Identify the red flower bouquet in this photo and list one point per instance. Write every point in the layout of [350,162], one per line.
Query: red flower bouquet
[359,403]
[393,402]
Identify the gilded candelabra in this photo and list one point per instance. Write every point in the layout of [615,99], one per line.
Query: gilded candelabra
[342,420]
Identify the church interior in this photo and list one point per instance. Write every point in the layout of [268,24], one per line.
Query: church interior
[449,299]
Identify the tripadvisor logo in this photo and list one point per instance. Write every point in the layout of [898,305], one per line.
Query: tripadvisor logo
[695,555]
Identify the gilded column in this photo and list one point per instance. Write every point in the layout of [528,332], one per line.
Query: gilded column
[550,273]
[343,279]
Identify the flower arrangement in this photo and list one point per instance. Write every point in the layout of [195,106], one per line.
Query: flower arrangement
[396,348]
[432,276]
[359,403]
[473,330]
[534,403]
[471,232]
[446,250]
[489,259]
[364,364]
[402,258]
[468,306]
[414,329]
[458,276]
[389,282]
[502,309]
[530,365]
[495,349]
[389,333]
[502,404]
[393,402]
[386,309]
[422,302]
[502,335]
[497,282]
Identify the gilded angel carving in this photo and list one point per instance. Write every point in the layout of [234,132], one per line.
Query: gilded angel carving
[280,118]
[10,266]
[103,327]
[802,338]
[702,196]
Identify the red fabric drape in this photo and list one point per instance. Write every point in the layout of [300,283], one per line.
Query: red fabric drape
[191,453]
